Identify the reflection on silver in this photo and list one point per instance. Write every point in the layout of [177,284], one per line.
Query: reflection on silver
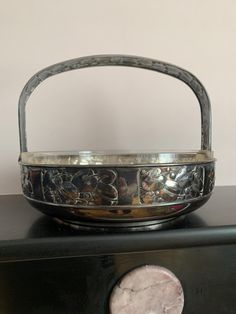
[129,185]
[106,186]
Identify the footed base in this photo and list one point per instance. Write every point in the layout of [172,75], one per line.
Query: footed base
[121,227]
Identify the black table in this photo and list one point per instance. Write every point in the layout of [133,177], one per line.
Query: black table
[46,268]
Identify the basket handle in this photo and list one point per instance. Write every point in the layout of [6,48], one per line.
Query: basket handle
[119,60]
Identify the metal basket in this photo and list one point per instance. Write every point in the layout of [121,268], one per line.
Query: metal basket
[109,190]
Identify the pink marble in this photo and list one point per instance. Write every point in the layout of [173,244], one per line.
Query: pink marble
[148,290]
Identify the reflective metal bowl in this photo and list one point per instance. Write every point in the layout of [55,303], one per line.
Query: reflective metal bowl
[117,190]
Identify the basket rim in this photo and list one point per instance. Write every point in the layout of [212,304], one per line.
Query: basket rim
[115,158]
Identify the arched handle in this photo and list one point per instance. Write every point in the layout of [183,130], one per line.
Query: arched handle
[120,60]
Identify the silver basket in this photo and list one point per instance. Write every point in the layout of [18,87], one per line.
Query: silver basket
[110,190]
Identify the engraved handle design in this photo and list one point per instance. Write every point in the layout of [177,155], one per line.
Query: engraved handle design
[120,60]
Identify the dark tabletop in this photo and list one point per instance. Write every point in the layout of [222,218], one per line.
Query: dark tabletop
[26,234]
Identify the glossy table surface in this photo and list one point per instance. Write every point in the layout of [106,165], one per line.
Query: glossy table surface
[26,234]
[46,268]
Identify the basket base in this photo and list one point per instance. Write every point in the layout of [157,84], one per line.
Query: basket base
[113,220]
[121,227]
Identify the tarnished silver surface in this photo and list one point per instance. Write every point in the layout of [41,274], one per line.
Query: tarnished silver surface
[120,193]
[116,187]
[120,60]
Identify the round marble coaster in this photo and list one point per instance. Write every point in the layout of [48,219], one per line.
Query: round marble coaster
[148,289]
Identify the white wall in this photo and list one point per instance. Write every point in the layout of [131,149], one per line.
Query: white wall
[117,108]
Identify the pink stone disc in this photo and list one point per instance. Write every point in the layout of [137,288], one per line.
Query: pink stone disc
[148,289]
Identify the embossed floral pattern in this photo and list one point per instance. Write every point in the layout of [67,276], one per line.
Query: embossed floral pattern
[27,182]
[168,184]
[84,187]
[118,186]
